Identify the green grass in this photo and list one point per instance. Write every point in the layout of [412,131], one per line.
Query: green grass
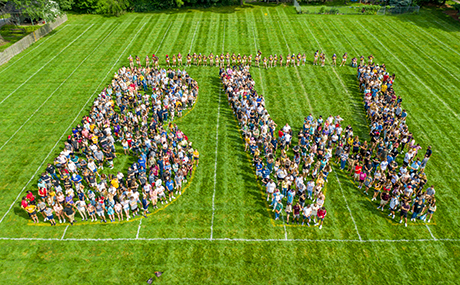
[11,36]
[421,50]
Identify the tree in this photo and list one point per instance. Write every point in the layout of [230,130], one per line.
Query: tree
[112,7]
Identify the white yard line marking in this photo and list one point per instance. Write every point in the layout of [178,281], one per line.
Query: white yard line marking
[430,232]
[63,235]
[295,68]
[236,240]
[34,48]
[345,199]
[45,64]
[410,71]
[193,38]
[70,125]
[139,228]
[215,169]
[65,80]
[164,36]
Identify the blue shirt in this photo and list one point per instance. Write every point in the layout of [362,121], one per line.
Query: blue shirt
[290,196]
[169,185]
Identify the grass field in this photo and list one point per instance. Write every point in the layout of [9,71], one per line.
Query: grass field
[220,231]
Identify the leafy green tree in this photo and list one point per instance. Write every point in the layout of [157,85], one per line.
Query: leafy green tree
[112,7]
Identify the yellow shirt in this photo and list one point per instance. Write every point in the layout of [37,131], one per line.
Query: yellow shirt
[196,154]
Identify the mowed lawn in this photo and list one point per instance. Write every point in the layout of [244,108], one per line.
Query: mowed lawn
[46,90]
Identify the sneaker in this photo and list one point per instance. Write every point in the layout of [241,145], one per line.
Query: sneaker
[320,226]
[46,219]
[161,202]
[169,199]
[405,224]
[287,223]
[180,192]
[382,209]
[400,221]
[428,221]
[316,224]
[60,221]
[166,202]
[389,215]
[393,217]
[302,223]
[173,197]
[308,224]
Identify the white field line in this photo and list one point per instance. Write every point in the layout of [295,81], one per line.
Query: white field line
[410,71]
[223,40]
[428,56]
[63,235]
[333,69]
[27,80]
[193,38]
[164,36]
[295,68]
[70,125]
[430,232]
[345,199]
[34,48]
[215,169]
[344,36]
[236,240]
[139,228]
[33,114]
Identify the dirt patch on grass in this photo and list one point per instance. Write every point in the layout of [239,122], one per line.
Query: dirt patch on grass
[453,14]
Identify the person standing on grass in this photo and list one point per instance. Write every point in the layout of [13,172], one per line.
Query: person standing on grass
[405,207]
[296,211]
[91,212]
[59,210]
[417,209]
[81,207]
[321,215]
[334,60]
[278,209]
[315,59]
[384,198]
[307,212]
[49,216]
[69,212]
[100,209]
[344,59]
[31,210]
[271,186]
[288,212]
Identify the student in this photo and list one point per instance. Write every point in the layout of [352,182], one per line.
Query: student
[321,215]
[288,211]
[49,216]
[70,213]
[296,210]
[307,212]
[417,209]
[405,207]
[31,210]
[278,209]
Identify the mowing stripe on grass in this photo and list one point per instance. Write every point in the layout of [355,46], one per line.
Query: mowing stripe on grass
[164,36]
[46,64]
[44,41]
[65,80]
[296,71]
[237,240]
[70,125]
[348,207]
[424,53]
[410,71]
[333,69]
[193,38]
[215,166]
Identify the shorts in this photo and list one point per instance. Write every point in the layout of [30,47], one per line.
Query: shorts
[305,217]
[146,207]
[403,214]
[34,213]
[376,191]
[50,217]
[320,219]
[356,175]
[393,209]
[430,212]
[134,208]
[383,202]
[296,216]
[100,214]
[92,213]
[162,195]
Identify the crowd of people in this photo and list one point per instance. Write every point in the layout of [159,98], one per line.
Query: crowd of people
[227,60]
[293,184]
[133,114]
[375,164]
[296,184]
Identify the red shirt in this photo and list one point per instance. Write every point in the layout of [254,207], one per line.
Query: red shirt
[321,213]
[358,169]
[30,197]
[24,204]
[42,192]
[280,133]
